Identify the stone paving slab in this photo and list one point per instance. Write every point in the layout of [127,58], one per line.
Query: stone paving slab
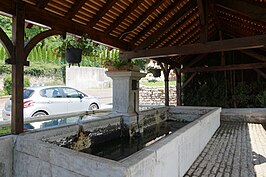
[235,150]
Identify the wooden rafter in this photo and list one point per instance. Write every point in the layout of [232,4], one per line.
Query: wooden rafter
[168,25]
[254,55]
[143,17]
[74,10]
[224,68]
[249,9]
[161,16]
[180,28]
[42,3]
[189,28]
[102,12]
[62,24]
[123,16]
[214,46]
[260,72]
[202,6]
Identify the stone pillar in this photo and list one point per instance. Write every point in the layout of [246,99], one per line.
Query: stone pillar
[126,98]
[125,91]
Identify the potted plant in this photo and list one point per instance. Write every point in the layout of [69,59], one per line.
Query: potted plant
[156,72]
[73,48]
[113,62]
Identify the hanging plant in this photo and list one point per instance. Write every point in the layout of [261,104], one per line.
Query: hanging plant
[73,48]
[156,72]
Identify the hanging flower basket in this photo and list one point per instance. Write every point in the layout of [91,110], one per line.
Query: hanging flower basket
[73,56]
[156,72]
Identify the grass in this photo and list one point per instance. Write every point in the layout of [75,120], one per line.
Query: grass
[5,130]
[157,83]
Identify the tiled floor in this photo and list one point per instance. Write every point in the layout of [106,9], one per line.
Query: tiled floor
[235,150]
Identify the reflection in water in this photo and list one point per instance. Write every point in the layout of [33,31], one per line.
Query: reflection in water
[120,148]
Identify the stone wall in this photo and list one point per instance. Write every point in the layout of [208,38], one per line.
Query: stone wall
[156,95]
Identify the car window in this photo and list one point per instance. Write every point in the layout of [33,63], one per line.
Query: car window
[51,93]
[71,93]
[27,93]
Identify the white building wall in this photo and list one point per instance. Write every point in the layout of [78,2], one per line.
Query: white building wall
[87,77]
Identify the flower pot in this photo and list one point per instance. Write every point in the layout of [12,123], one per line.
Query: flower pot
[73,56]
[156,72]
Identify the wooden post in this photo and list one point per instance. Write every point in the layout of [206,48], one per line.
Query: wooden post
[178,86]
[166,72]
[18,69]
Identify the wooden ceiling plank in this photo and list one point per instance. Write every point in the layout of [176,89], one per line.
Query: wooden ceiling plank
[188,29]
[123,16]
[143,17]
[224,68]
[102,12]
[160,17]
[74,10]
[249,9]
[191,49]
[42,3]
[183,12]
[56,22]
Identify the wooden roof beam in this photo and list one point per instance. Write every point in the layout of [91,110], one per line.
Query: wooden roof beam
[42,3]
[74,10]
[142,18]
[102,12]
[224,68]
[249,9]
[124,15]
[183,12]
[209,47]
[254,55]
[161,16]
[202,6]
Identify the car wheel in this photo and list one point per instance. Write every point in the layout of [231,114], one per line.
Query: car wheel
[39,113]
[93,106]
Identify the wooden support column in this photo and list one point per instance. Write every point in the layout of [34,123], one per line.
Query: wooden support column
[18,69]
[166,71]
[178,85]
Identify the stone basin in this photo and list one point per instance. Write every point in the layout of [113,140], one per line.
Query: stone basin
[170,156]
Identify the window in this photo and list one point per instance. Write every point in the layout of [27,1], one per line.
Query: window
[27,93]
[51,93]
[71,93]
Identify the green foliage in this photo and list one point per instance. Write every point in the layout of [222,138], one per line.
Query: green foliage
[210,90]
[83,43]
[5,130]
[261,97]
[6,25]
[5,69]
[8,84]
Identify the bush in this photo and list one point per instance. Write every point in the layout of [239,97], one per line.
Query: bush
[261,97]
[8,84]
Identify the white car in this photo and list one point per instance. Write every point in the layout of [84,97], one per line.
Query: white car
[51,100]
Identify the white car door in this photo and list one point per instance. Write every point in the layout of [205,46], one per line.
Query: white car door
[75,102]
[57,103]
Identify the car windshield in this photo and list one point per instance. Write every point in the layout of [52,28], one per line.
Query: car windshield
[27,93]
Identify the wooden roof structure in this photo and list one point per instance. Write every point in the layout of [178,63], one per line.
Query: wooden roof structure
[133,25]
[170,31]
